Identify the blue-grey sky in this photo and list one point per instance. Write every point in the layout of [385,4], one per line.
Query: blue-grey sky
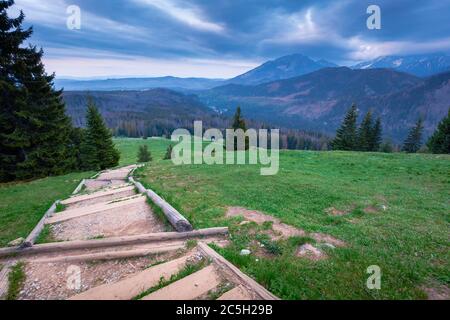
[224,38]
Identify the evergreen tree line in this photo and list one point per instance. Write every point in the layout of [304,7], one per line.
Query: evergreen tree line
[293,139]
[37,138]
[365,137]
[368,136]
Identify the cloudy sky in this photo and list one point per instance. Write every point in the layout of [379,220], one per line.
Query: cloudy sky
[224,38]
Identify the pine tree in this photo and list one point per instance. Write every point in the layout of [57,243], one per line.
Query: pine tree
[346,136]
[439,142]
[376,136]
[168,155]
[34,129]
[239,123]
[49,127]
[413,142]
[365,133]
[144,154]
[97,149]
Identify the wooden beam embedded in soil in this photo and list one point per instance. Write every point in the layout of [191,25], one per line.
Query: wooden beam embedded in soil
[94,209]
[80,186]
[95,195]
[31,239]
[176,219]
[112,255]
[112,242]
[246,280]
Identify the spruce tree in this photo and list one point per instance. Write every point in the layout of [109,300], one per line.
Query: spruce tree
[144,154]
[413,142]
[49,127]
[168,155]
[376,136]
[346,135]
[365,133]
[439,142]
[97,149]
[239,123]
[12,95]
[34,129]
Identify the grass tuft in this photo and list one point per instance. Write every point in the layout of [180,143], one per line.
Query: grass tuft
[16,279]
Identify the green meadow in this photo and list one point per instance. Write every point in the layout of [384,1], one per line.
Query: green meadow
[22,204]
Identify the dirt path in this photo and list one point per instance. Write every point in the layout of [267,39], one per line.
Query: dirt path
[109,244]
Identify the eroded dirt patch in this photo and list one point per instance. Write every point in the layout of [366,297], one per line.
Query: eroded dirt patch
[281,230]
[310,252]
[336,212]
[438,292]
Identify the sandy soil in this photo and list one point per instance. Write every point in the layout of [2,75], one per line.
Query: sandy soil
[132,220]
[53,281]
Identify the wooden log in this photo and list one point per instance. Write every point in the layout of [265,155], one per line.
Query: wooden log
[246,280]
[98,194]
[80,186]
[31,239]
[94,209]
[113,255]
[176,219]
[116,241]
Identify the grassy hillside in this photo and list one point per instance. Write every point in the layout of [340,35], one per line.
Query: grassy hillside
[409,240]
[23,204]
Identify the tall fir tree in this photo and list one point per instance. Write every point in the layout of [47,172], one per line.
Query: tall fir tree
[365,133]
[48,126]
[97,149]
[239,123]
[12,94]
[169,151]
[439,142]
[413,142]
[346,135]
[376,136]
[34,129]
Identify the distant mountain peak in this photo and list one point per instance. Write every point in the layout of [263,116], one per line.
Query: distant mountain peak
[289,66]
[422,65]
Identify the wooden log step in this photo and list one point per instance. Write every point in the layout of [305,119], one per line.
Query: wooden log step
[115,241]
[189,288]
[237,294]
[97,194]
[255,287]
[134,285]
[110,255]
[81,212]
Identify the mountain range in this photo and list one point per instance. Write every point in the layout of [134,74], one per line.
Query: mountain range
[319,100]
[282,68]
[174,83]
[292,92]
[419,65]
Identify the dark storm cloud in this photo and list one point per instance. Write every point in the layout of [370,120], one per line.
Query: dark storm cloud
[220,38]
